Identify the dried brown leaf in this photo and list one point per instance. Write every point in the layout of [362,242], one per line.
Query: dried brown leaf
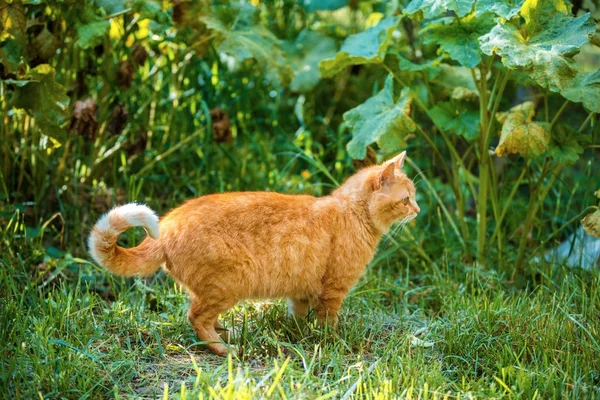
[139,54]
[125,72]
[221,127]
[138,146]
[591,223]
[83,119]
[118,119]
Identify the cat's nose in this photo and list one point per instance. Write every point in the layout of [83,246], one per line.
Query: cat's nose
[415,206]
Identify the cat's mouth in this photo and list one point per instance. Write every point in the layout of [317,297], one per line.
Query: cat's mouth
[410,217]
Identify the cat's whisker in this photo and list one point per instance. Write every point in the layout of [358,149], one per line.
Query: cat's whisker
[421,173]
[417,175]
[391,235]
[397,229]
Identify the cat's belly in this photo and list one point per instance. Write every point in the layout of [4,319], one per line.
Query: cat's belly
[290,272]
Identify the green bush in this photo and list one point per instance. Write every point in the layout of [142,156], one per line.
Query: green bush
[488,96]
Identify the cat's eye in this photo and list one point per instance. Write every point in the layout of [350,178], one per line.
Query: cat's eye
[405,201]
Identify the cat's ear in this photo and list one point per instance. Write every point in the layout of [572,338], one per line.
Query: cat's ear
[399,160]
[386,174]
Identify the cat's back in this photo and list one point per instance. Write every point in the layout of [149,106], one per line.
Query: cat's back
[254,211]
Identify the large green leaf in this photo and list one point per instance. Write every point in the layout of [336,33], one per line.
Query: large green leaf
[152,10]
[431,68]
[585,89]
[567,144]
[520,134]
[453,77]
[434,8]
[368,47]
[453,117]
[305,54]
[543,47]
[45,99]
[92,33]
[460,38]
[380,119]
[314,5]
[242,38]
[503,8]
[112,6]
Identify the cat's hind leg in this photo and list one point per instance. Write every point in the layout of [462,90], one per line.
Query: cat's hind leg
[298,306]
[203,314]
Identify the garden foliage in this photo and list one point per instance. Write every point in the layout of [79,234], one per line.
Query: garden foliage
[479,84]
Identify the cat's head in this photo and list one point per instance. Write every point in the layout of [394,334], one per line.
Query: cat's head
[389,194]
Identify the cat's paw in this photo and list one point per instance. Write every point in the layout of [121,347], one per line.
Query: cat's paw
[221,350]
[328,320]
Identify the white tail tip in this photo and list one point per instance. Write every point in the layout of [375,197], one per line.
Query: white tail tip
[134,215]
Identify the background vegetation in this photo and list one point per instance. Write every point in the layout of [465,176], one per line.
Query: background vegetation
[104,102]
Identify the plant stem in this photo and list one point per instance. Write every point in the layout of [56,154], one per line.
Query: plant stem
[509,201]
[494,88]
[460,204]
[585,122]
[453,152]
[533,207]
[484,173]
[435,149]
[424,108]
[169,151]
[558,113]
[26,144]
[495,109]
[5,146]
[451,175]
[482,210]
[118,13]
[437,197]
[496,209]
[428,87]
[484,167]
[559,230]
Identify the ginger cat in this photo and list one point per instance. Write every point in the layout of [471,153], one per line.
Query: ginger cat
[223,248]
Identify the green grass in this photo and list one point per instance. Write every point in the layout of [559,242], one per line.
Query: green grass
[407,330]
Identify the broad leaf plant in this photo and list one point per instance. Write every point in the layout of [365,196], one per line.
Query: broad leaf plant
[441,71]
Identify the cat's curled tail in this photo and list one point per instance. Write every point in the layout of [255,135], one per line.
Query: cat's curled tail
[142,260]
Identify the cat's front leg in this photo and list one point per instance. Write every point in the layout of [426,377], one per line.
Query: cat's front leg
[329,305]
